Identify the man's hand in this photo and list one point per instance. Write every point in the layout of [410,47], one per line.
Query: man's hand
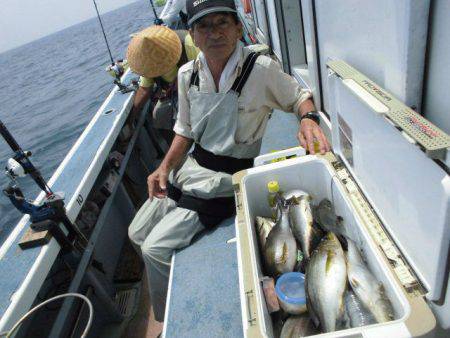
[132,119]
[157,183]
[308,133]
[140,99]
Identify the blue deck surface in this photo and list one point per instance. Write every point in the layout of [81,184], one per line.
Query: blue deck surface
[207,304]
[16,263]
[204,300]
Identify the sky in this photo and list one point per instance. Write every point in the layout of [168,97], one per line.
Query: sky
[22,21]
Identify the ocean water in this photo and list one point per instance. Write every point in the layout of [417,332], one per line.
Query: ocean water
[52,87]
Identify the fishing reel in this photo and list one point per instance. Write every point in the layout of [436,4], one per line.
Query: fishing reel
[38,212]
[116,70]
[46,215]
[20,166]
[14,169]
[133,86]
[158,22]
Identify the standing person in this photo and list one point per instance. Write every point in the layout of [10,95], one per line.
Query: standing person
[156,53]
[174,14]
[225,98]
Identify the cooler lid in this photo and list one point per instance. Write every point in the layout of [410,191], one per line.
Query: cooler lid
[390,151]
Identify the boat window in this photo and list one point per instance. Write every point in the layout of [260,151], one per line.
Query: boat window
[260,17]
[275,20]
[287,31]
[296,32]
[287,26]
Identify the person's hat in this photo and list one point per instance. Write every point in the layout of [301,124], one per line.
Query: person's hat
[154,51]
[199,8]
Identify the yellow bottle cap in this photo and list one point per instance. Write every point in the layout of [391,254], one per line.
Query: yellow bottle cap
[273,186]
[316,147]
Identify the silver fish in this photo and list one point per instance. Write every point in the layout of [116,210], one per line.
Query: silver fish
[368,290]
[325,284]
[263,227]
[298,326]
[280,250]
[294,193]
[356,312]
[325,215]
[303,225]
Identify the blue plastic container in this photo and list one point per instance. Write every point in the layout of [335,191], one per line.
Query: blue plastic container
[290,290]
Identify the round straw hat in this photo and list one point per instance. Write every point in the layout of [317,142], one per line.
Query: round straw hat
[154,51]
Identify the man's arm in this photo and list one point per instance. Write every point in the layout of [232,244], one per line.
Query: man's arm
[283,92]
[310,131]
[141,97]
[182,142]
[157,181]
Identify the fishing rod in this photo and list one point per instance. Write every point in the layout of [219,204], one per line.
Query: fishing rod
[103,31]
[48,214]
[20,164]
[157,20]
[116,68]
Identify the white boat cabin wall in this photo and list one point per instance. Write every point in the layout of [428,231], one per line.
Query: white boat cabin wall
[402,46]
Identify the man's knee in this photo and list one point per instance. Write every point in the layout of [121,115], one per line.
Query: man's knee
[150,213]
[153,251]
[133,236]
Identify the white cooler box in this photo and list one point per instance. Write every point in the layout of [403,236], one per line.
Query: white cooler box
[393,197]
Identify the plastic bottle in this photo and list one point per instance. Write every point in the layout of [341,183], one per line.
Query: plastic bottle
[316,147]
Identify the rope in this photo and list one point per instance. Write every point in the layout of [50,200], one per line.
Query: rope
[26,315]
[103,31]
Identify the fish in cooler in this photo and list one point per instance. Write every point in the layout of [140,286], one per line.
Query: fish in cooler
[302,223]
[280,251]
[298,326]
[325,284]
[325,215]
[263,227]
[294,193]
[368,290]
[358,315]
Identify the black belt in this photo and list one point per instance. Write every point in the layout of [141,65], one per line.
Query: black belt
[214,210]
[227,164]
[210,211]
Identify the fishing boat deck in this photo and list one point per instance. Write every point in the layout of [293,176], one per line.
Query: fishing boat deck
[75,177]
[204,279]
[203,299]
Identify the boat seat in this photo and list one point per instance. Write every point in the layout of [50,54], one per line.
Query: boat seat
[204,287]
[203,297]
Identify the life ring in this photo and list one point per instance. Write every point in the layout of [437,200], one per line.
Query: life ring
[247,4]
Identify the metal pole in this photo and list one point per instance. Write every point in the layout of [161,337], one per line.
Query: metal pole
[99,290]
